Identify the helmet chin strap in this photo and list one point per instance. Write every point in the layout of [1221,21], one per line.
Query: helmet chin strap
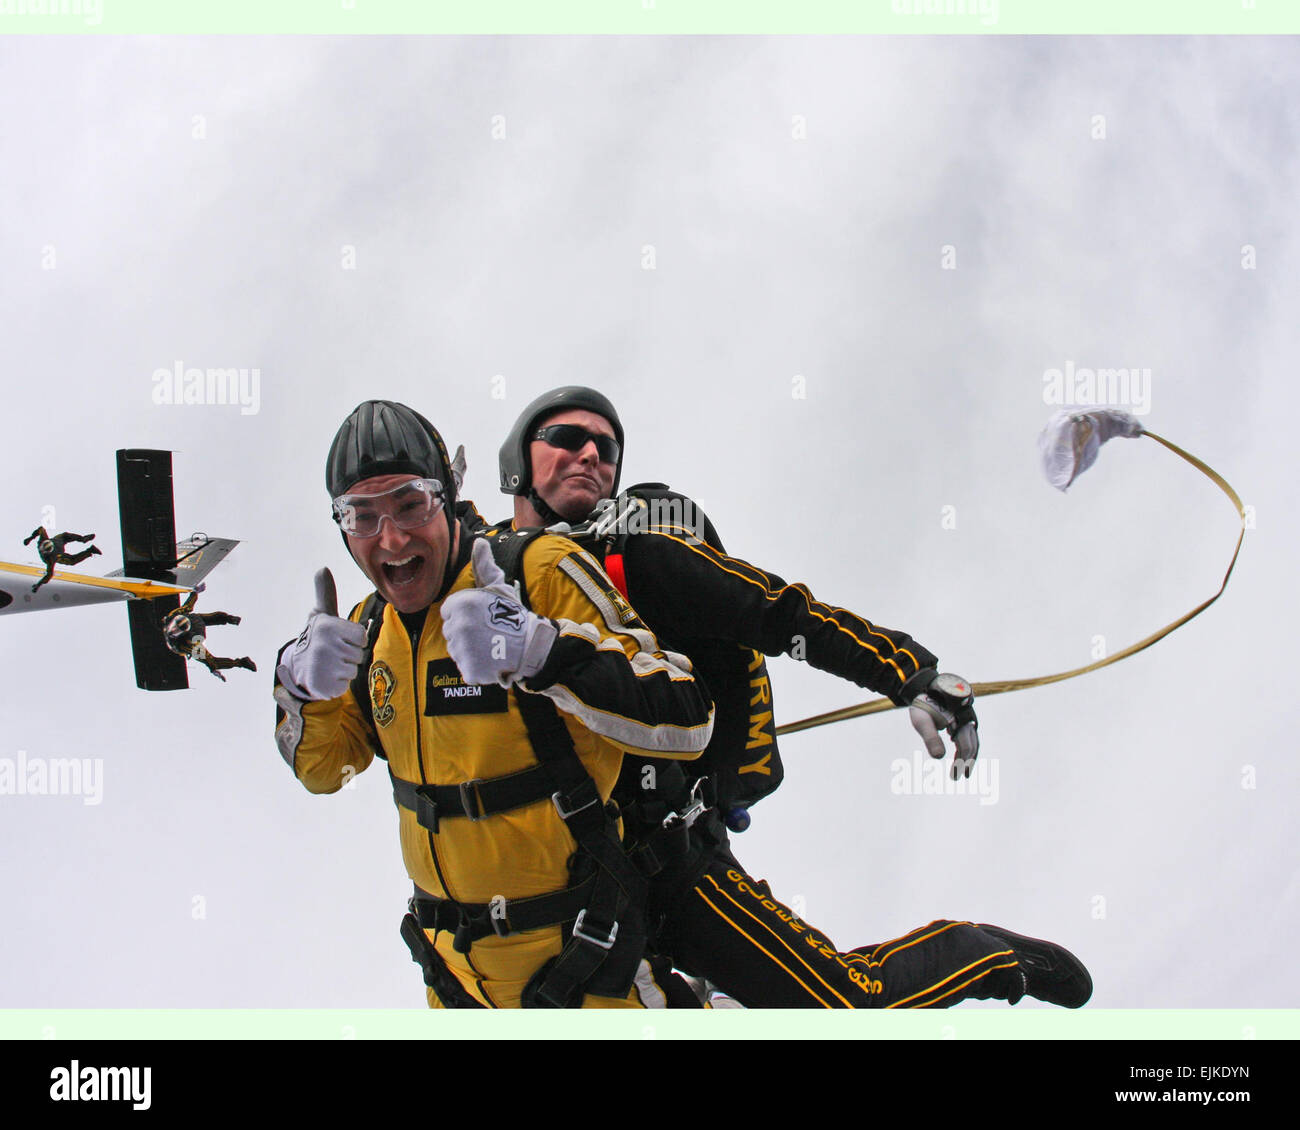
[548,516]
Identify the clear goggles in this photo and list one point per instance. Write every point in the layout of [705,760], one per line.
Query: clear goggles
[408,506]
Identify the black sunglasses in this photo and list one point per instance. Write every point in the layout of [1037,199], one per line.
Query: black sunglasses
[571,437]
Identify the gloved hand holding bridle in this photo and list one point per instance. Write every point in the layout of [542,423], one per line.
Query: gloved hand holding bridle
[947,701]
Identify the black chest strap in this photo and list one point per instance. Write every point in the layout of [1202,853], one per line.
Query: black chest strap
[476,799]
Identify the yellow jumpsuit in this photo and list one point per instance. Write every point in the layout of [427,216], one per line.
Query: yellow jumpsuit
[616,691]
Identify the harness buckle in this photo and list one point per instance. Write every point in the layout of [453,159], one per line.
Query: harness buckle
[604,943]
[463,938]
[606,518]
[469,800]
[426,809]
[561,799]
[697,805]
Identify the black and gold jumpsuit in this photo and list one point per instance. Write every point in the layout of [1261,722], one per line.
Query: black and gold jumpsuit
[714,919]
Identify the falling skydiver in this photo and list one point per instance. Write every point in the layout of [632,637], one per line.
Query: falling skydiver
[51,551]
[185,631]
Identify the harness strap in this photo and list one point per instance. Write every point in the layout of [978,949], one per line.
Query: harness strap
[372,614]
[614,567]
[476,799]
[470,921]
[575,796]
[437,976]
[618,885]
[606,904]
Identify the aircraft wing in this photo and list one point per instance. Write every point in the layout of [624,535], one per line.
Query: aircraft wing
[68,590]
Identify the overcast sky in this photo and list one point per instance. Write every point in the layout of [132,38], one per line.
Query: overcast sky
[822,280]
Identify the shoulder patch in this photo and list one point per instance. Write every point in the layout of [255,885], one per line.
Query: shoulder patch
[626,613]
[595,582]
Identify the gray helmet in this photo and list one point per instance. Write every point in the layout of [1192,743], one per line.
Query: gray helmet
[381,437]
[516,467]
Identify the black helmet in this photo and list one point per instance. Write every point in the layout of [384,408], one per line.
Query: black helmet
[516,468]
[381,437]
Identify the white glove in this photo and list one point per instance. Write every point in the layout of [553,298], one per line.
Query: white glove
[949,701]
[490,635]
[325,659]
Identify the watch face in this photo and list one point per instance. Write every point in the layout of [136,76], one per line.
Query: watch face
[952,685]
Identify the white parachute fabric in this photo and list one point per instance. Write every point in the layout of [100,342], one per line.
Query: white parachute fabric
[1069,443]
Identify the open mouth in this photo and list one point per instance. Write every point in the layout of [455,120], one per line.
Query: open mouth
[402,572]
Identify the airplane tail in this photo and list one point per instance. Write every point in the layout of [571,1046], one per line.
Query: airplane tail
[150,550]
[147,510]
[156,569]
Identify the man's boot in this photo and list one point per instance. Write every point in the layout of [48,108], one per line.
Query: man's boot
[1052,973]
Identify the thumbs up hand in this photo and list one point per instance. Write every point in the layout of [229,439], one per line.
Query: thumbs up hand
[324,659]
[490,635]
